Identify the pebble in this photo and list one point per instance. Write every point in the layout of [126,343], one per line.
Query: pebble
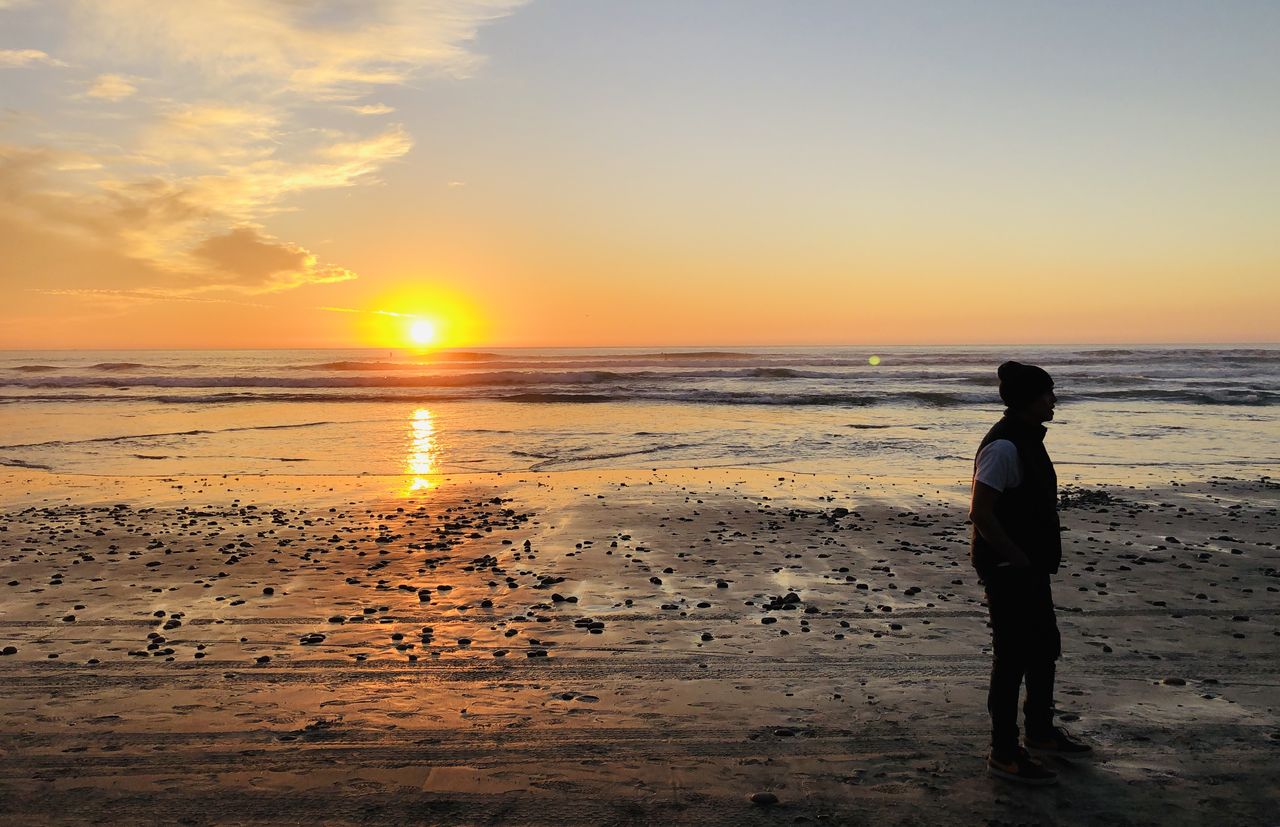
[763,799]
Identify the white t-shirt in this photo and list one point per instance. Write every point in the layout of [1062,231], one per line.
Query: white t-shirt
[998,465]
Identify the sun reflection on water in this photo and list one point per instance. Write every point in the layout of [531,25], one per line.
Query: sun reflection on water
[423,456]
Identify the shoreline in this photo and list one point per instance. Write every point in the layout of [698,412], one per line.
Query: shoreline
[863,694]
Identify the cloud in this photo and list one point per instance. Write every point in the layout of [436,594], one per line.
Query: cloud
[350,160]
[364,312]
[325,50]
[262,264]
[372,109]
[111,88]
[258,185]
[18,58]
[48,190]
[176,196]
[246,255]
[127,298]
[210,135]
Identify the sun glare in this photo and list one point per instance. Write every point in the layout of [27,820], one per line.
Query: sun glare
[417,316]
[422,332]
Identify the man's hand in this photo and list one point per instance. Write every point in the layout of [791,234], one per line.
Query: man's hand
[983,513]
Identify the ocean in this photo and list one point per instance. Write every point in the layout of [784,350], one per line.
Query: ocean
[1124,413]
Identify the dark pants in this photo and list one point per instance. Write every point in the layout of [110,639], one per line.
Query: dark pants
[1024,635]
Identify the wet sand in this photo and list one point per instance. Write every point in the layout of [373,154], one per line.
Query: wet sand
[614,648]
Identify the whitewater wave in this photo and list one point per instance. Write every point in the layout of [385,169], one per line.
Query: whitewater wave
[628,393]
[1216,396]
[22,463]
[597,457]
[558,397]
[936,399]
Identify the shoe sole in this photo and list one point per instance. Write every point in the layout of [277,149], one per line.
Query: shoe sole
[996,772]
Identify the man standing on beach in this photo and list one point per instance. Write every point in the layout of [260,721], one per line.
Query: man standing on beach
[1016,548]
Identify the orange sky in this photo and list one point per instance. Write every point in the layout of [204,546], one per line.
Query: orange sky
[263,174]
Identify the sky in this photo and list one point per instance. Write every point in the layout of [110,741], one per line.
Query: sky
[274,173]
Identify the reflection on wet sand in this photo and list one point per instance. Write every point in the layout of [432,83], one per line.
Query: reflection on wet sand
[423,458]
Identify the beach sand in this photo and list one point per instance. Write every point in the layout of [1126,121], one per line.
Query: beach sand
[603,648]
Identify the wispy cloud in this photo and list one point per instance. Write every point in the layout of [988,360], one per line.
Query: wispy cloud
[178,194]
[18,58]
[129,297]
[111,88]
[320,50]
[368,312]
[372,109]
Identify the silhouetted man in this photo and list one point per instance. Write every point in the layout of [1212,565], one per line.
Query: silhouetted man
[1016,547]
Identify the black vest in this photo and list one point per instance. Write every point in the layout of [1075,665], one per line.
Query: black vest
[1028,512]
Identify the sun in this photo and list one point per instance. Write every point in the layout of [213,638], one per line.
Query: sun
[422,332]
[417,315]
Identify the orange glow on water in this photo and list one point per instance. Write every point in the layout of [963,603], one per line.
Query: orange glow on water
[423,457]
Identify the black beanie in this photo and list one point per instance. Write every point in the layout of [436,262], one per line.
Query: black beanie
[1019,383]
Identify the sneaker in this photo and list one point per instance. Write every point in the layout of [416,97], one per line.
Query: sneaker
[1058,742]
[1023,769]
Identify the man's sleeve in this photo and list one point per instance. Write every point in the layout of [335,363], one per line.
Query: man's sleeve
[997,465]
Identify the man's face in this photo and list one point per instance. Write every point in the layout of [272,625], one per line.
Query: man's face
[1042,406]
